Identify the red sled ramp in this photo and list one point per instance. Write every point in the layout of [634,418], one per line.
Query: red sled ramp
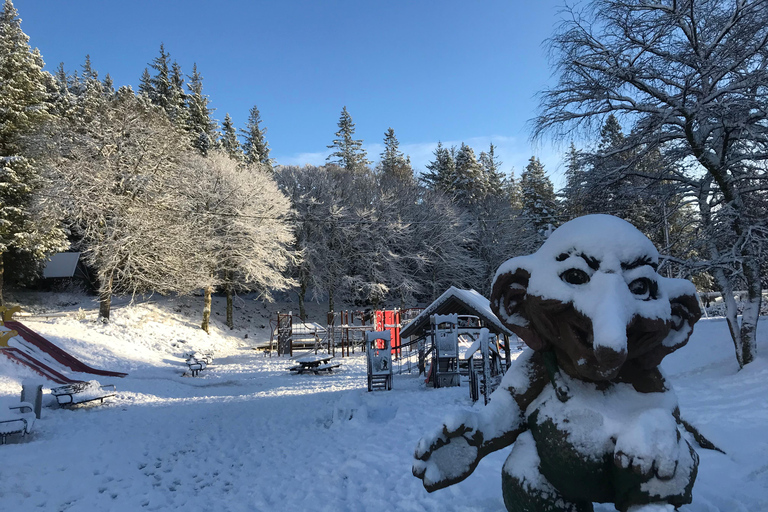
[17,356]
[62,357]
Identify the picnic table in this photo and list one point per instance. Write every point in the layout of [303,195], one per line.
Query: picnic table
[314,363]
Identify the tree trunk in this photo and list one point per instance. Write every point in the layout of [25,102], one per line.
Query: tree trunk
[105,299]
[330,300]
[207,309]
[230,320]
[302,295]
[2,272]
[750,313]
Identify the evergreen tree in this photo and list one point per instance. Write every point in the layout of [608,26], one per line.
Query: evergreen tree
[161,82]
[229,142]
[493,176]
[255,145]
[393,162]
[177,102]
[441,171]
[88,72]
[24,229]
[349,153]
[538,196]
[469,185]
[109,85]
[511,190]
[145,84]
[575,193]
[201,126]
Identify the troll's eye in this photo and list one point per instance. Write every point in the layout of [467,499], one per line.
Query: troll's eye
[575,276]
[643,288]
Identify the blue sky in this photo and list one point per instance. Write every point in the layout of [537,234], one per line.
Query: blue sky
[451,70]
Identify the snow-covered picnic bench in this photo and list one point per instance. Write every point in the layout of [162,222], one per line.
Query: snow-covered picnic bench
[16,420]
[82,392]
[315,363]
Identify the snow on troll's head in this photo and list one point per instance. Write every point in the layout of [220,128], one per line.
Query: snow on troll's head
[592,295]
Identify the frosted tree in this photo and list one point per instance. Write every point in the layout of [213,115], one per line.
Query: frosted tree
[161,83]
[493,175]
[575,195]
[469,181]
[228,140]
[26,228]
[691,77]
[177,101]
[255,145]
[348,153]
[117,172]
[242,228]
[201,126]
[310,191]
[538,196]
[321,198]
[393,162]
[441,172]
[145,83]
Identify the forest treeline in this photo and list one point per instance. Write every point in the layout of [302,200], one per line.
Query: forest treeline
[161,197]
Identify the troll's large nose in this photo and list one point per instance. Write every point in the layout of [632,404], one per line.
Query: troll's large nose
[611,314]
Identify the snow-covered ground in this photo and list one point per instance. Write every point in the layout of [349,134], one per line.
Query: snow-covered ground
[246,435]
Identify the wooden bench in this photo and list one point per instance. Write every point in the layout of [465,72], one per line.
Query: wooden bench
[20,423]
[82,392]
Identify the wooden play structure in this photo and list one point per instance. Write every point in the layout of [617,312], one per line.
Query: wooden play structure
[457,318]
[344,332]
[379,351]
[484,366]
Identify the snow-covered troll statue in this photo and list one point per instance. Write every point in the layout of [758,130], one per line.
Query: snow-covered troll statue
[589,412]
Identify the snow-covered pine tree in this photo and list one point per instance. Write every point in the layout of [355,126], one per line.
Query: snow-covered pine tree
[469,181]
[25,229]
[538,196]
[441,172]
[393,162]
[493,175]
[145,84]
[575,194]
[228,140]
[177,101]
[348,152]
[161,81]
[201,127]
[255,145]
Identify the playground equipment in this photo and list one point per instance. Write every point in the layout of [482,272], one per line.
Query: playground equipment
[379,349]
[444,371]
[25,347]
[485,366]
[289,333]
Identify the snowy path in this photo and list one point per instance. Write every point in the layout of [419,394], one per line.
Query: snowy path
[248,436]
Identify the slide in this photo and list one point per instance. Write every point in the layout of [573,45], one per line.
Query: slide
[34,351]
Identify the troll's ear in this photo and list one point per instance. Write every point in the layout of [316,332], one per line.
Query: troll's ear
[508,296]
[685,313]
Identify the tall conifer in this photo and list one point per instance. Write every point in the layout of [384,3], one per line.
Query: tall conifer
[349,153]
[23,108]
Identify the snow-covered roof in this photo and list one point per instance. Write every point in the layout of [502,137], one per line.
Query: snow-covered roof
[462,302]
